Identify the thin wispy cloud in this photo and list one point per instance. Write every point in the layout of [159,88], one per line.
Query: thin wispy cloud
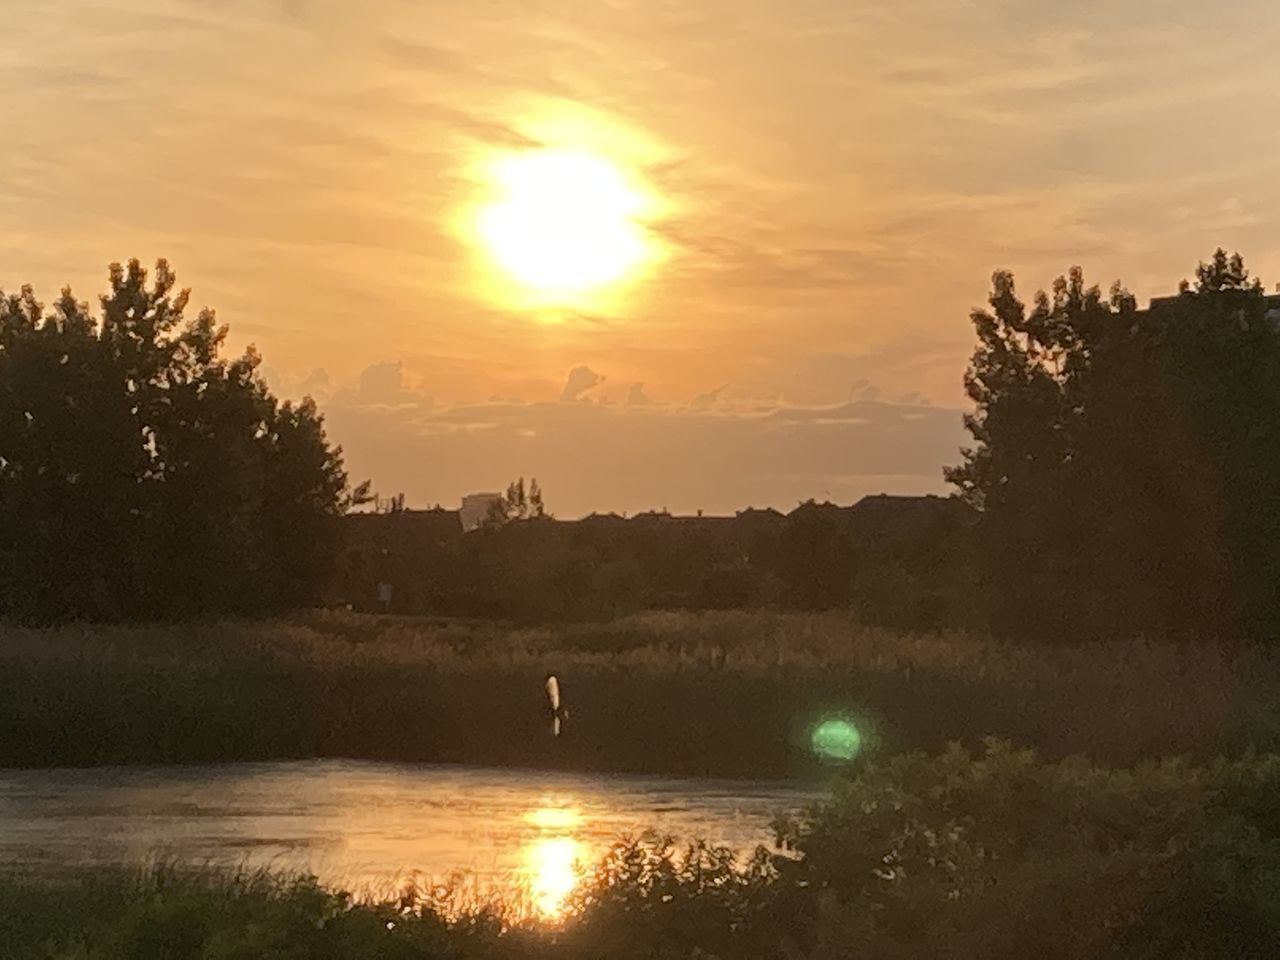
[841,179]
[712,452]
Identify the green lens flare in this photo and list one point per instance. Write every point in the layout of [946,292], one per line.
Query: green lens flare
[836,740]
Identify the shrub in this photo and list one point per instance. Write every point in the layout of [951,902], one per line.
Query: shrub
[994,854]
[999,854]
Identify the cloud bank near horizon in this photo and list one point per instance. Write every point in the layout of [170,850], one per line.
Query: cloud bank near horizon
[597,454]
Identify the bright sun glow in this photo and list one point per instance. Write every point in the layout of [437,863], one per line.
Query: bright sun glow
[554,818]
[563,225]
[554,867]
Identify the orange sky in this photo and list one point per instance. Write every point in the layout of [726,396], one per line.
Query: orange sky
[841,177]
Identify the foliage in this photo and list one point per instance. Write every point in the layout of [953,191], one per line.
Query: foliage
[1127,463]
[725,693]
[168,912]
[992,854]
[517,504]
[651,898]
[897,561]
[142,474]
[1000,854]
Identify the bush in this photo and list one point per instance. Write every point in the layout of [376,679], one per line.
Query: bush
[168,912]
[998,854]
[995,855]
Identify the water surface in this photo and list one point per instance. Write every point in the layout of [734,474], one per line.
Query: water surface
[371,826]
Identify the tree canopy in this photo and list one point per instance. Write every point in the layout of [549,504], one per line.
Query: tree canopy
[1127,462]
[142,473]
[517,504]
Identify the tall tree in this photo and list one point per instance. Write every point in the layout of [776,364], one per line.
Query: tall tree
[306,489]
[1125,461]
[143,474]
[518,503]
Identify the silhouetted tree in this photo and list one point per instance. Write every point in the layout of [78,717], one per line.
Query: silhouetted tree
[517,504]
[142,474]
[306,487]
[1127,463]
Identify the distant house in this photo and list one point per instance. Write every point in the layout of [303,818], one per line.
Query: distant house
[476,507]
[767,514]
[602,520]
[812,509]
[883,519]
[652,516]
[435,525]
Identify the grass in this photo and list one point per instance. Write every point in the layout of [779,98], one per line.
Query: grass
[716,693]
[992,854]
[973,850]
[170,912]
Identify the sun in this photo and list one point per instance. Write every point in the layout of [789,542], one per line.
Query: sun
[564,226]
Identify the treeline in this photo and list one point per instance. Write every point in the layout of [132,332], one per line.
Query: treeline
[1124,480]
[897,561]
[143,474]
[1127,462]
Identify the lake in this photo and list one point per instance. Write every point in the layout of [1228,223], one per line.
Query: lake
[371,826]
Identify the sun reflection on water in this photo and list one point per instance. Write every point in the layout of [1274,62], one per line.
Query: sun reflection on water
[554,860]
[554,818]
[555,868]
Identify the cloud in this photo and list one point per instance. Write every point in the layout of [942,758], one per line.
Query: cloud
[382,383]
[380,391]
[832,218]
[315,383]
[581,379]
[425,57]
[631,456]
[292,10]
[814,377]
[705,401]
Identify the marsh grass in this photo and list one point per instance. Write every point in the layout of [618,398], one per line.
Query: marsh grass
[993,854]
[171,911]
[706,693]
